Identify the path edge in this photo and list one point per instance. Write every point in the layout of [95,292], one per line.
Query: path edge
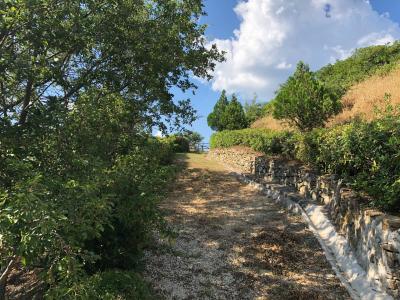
[356,283]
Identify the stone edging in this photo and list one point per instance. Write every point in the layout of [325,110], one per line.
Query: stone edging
[336,248]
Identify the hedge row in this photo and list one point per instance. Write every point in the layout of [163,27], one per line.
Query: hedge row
[367,155]
[267,141]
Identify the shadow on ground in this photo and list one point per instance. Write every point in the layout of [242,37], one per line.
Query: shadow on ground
[233,243]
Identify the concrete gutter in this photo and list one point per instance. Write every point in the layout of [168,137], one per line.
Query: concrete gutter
[336,248]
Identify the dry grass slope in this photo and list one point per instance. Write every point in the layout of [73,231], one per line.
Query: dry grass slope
[362,99]
[269,122]
[359,102]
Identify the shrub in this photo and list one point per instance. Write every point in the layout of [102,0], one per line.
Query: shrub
[366,155]
[134,184]
[177,143]
[194,139]
[304,102]
[79,189]
[269,142]
[110,285]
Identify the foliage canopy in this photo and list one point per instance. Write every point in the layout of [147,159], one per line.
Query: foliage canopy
[81,86]
[137,49]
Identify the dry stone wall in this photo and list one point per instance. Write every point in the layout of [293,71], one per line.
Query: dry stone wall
[242,159]
[373,235]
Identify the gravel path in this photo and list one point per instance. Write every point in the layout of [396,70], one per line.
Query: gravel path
[234,243]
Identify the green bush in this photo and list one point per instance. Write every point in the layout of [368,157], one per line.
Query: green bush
[177,143]
[110,285]
[267,141]
[135,184]
[79,189]
[304,102]
[366,155]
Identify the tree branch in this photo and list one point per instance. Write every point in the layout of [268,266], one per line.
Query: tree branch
[26,102]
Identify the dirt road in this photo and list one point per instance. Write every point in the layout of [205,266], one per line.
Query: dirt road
[233,243]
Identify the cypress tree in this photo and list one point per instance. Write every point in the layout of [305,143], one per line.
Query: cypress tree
[215,117]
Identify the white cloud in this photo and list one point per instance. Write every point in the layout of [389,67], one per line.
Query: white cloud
[284,65]
[376,38]
[275,34]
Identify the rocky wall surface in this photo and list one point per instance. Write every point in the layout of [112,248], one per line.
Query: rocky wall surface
[374,236]
[241,159]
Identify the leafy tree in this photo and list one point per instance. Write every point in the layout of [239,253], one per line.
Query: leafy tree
[83,195]
[179,143]
[214,119]
[194,138]
[81,83]
[227,115]
[254,110]
[233,116]
[304,102]
[138,49]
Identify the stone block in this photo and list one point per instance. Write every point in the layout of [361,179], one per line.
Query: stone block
[391,223]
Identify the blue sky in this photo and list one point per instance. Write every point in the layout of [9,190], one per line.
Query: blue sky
[271,36]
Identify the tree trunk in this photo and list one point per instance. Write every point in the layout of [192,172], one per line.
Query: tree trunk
[4,278]
[25,104]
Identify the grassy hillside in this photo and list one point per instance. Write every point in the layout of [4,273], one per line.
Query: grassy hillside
[362,98]
[268,122]
[362,64]
[364,78]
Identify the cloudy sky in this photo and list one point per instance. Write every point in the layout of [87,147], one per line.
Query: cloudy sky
[264,40]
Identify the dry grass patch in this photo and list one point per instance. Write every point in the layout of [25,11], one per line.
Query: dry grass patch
[362,99]
[269,122]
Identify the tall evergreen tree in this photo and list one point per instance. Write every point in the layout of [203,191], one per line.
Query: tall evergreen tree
[215,117]
[234,117]
[305,102]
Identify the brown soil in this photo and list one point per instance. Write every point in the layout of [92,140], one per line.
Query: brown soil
[24,284]
[233,243]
